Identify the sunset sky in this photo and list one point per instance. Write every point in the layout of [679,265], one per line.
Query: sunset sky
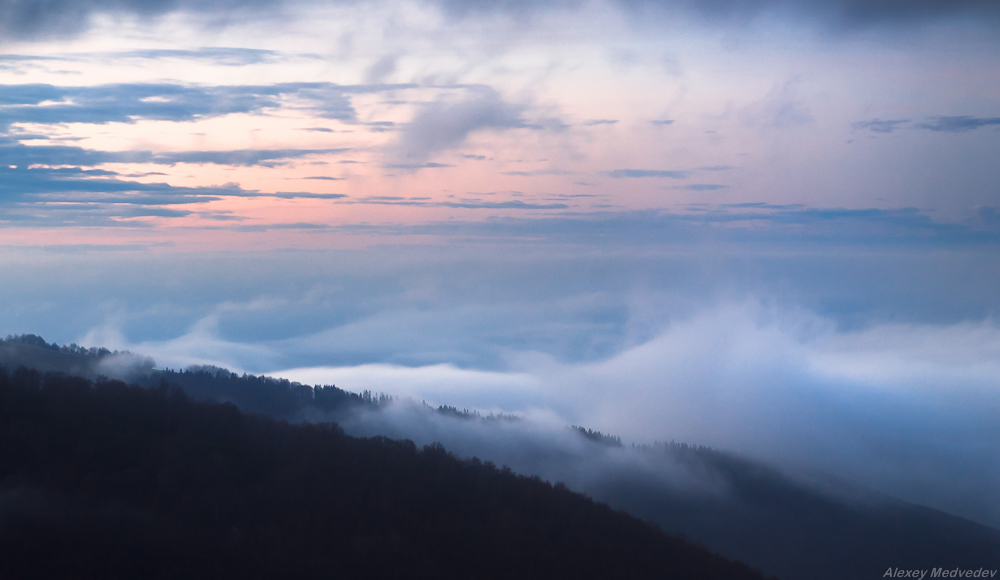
[771,226]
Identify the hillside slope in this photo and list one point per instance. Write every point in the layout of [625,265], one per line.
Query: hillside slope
[781,525]
[800,531]
[114,481]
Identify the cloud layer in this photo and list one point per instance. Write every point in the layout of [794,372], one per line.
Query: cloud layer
[66,17]
[886,406]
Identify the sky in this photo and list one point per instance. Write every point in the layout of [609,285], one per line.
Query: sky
[769,226]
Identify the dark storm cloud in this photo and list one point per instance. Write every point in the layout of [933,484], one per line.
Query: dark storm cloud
[633,173]
[880,125]
[958,124]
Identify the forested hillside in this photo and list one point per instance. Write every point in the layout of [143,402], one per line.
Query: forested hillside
[105,480]
[794,529]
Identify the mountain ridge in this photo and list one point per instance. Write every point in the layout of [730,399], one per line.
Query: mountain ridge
[761,515]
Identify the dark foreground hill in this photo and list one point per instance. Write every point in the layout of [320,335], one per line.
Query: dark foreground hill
[781,525]
[104,480]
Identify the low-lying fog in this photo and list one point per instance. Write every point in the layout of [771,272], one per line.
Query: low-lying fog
[905,409]
[878,366]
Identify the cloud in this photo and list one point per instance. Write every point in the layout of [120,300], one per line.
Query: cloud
[201,344]
[14,153]
[242,157]
[834,13]
[773,382]
[225,56]
[537,173]
[20,183]
[73,197]
[66,17]
[958,124]
[632,173]
[27,20]
[445,124]
[301,226]
[128,103]
[434,383]
[788,386]
[748,223]
[880,125]
[515,204]
[875,363]
[463,204]
[381,69]
[781,107]
[986,215]
[415,166]
[701,186]
[576,296]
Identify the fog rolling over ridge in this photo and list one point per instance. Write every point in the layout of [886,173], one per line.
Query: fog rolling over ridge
[766,227]
[790,521]
[878,367]
[886,407]
[794,524]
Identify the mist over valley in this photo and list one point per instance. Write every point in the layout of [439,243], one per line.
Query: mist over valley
[448,288]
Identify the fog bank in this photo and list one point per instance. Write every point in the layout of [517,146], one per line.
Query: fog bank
[904,408]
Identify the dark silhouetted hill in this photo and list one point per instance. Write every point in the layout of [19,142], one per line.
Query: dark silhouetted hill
[104,480]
